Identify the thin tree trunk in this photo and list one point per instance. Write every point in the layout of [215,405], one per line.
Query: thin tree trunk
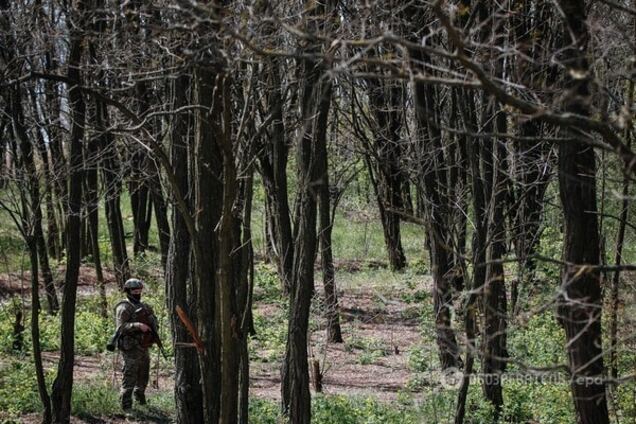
[245,300]
[433,181]
[63,384]
[52,239]
[296,398]
[108,161]
[111,179]
[31,221]
[35,330]
[494,293]
[30,172]
[389,182]
[161,214]
[93,227]
[273,160]
[334,333]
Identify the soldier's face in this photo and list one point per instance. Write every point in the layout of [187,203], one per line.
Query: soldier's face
[136,292]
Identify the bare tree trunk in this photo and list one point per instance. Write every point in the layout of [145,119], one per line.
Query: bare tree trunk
[389,182]
[245,300]
[28,164]
[139,201]
[208,189]
[295,375]
[63,384]
[273,165]
[187,387]
[296,398]
[532,169]
[52,238]
[229,317]
[334,333]
[92,204]
[433,180]
[494,293]
[31,222]
[111,177]
[35,331]
[60,172]
[580,308]
[161,214]
[620,239]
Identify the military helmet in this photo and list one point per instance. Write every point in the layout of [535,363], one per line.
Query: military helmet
[133,283]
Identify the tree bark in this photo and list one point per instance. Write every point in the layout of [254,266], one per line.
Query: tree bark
[433,181]
[161,213]
[109,163]
[580,307]
[187,388]
[228,283]
[245,299]
[387,153]
[296,398]
[52,241]
[273,165]
[30,172]
[208,189]
[334,333]
[35,330]
[111,178]
[494,294]
[63,384]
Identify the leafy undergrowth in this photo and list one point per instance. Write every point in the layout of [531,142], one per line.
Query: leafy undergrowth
[387,371]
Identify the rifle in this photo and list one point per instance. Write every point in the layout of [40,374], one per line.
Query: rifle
[159,343]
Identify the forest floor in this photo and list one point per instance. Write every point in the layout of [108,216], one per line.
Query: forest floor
[380,318]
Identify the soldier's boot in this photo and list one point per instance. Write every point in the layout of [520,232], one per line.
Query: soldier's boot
[140,397]
[126,400]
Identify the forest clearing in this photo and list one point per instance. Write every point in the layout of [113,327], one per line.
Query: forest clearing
[327,211]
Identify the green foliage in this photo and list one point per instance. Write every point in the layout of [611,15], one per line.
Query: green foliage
[96,398]
[267,284]
[271,335]
[540,343]
[18,386]
[358,410]
[99,399]
[419,267]
[369,349]
[549,402]
[550,246]
[332,409]
[264,412]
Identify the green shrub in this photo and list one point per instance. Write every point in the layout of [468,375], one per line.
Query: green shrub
[18,387]
[267,284]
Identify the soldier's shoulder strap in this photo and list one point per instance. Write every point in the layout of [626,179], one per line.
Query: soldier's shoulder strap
[126,304]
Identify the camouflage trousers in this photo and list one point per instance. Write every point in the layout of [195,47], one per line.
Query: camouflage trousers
[135,379]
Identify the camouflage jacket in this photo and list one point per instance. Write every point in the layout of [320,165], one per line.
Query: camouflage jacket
[127,315]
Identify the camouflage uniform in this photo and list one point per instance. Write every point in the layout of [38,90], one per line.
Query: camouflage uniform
[136,357]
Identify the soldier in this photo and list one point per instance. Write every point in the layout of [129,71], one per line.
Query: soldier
[137,328]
